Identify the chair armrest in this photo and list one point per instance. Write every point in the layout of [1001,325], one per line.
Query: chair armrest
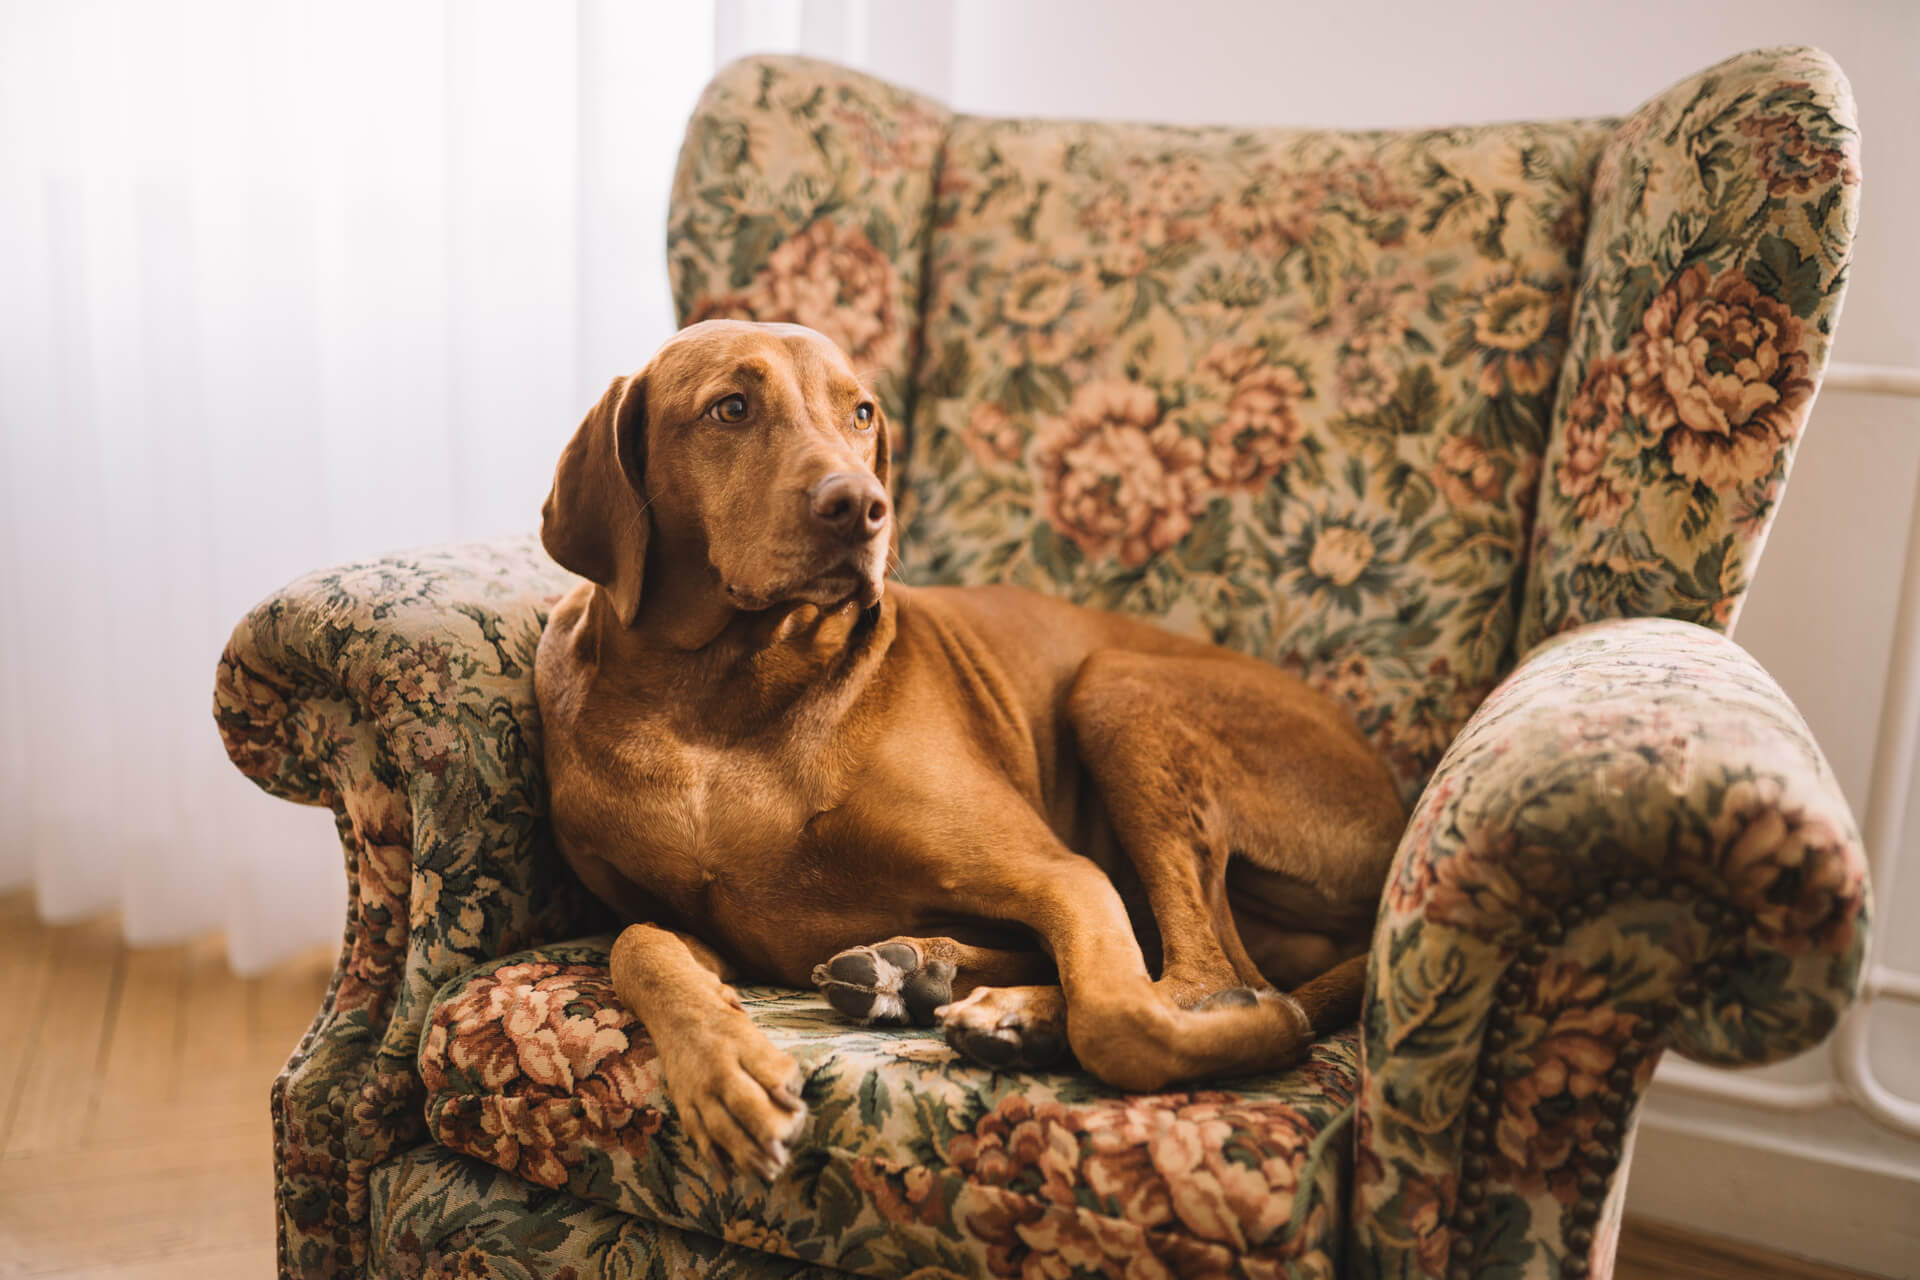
[398,692]
[1718,240]
[1634,843]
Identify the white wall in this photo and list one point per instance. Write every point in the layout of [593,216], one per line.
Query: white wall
[1827,1184]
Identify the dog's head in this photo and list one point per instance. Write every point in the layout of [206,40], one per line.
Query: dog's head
[753,448]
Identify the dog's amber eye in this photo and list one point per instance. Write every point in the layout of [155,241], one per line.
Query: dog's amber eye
[863,417]
[729,409]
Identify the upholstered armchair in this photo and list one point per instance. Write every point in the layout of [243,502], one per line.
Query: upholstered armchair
[1479,429]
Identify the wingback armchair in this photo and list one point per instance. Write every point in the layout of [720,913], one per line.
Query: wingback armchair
[1479,429]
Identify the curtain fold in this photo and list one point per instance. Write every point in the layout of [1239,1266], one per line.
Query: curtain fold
[280,285]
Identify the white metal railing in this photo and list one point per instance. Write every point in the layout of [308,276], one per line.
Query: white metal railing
[1855,1083]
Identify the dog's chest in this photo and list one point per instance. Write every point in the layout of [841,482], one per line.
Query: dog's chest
[716,819]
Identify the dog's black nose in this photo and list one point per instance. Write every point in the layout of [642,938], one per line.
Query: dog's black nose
[850,504]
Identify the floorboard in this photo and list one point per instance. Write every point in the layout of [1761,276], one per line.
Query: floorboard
[1651,1250]
[134,1136]
[54,1096]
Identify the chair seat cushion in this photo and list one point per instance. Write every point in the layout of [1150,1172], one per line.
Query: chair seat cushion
[912,1157]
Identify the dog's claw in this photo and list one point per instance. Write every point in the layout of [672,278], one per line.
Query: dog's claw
[885,985]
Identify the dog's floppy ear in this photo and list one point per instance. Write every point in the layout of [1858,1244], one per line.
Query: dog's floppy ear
[594,521]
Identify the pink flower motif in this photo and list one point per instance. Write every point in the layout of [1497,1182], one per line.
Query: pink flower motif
[1465,472]
[830,278]
[1118,481]
[1719,371]
[1767,843]
[1585,474]
[1263,428]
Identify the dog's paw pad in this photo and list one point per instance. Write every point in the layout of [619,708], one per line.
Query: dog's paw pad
[926,989]
[988,1047]
[885,985]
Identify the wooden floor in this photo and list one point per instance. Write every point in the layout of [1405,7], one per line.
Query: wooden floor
[1656,1251]
[134,1140]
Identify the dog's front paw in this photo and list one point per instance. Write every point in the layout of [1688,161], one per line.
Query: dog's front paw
[1009,1028]
[739,1096]
[886,984]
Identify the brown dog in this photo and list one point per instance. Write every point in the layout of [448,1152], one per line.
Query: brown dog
[764,760]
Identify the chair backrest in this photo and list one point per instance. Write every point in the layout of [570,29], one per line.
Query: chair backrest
[1294,391]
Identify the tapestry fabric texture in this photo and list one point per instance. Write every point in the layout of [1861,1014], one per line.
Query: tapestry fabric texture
[1479,429]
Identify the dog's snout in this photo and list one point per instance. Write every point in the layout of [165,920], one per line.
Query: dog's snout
[850,504]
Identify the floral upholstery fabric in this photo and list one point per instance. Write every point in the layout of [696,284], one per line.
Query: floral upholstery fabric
[1287,390]
[399,692]
[1722,224]
[442,1216]
[1300,392]
[1278,389]
[804,192]
[913,1157]
[1634,843]
[1390,409]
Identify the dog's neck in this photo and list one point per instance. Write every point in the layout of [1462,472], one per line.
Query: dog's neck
[761,663]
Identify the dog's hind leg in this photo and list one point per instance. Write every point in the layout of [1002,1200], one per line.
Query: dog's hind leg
[1000,860]
[907,979]
[1203,760]
[1158,777]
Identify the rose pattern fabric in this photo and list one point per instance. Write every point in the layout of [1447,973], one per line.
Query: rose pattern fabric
[1720,232]
[398,692]
[913,1157]
[803,194]
[835,275]
[1120,481]
[517,1045]
[1388,409]
[1641,808]
[1278,389]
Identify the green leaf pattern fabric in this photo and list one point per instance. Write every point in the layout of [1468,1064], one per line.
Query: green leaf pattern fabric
[1716,259]
[1634,844]
[442,1216]
[398,692]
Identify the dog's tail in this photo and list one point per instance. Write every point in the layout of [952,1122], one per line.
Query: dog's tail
[1320,1005]
[1332,1000]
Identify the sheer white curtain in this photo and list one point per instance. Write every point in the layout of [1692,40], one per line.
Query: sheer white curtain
[282,284]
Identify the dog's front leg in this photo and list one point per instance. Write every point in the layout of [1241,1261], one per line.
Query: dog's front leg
[733,1089]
